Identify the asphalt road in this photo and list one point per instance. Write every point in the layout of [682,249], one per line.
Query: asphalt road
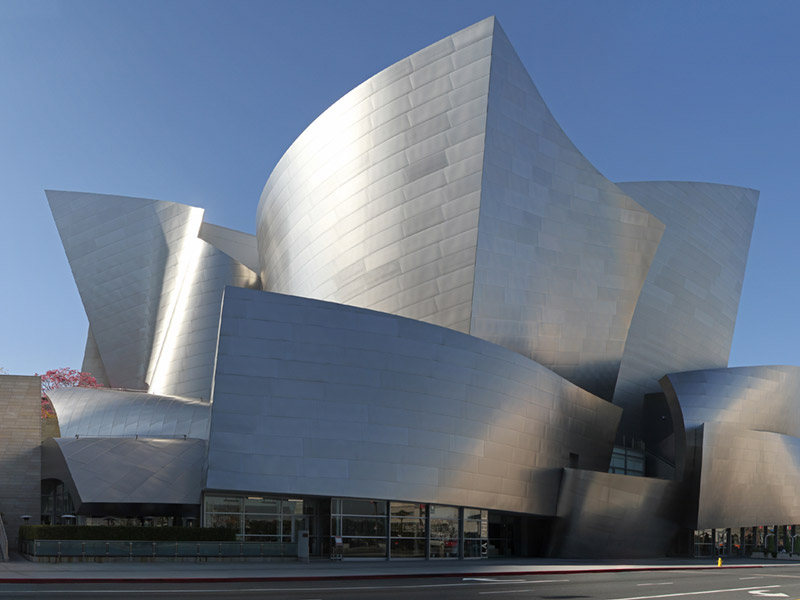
[723,584]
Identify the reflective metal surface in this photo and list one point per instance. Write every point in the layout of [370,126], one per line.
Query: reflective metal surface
[615,516]
[150,286]
[127,256]
[685,315]
[109,473]
[103,412]
[743,434]
[376,203]
[464,293]
[562,252]
[323,399]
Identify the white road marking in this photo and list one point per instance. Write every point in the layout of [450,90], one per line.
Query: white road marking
[753,577]
[664,583]
[268,589]
[699,593]
[761,593]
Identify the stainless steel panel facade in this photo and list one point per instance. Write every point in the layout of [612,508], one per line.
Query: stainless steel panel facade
[240,246]
[101,412]
[686,313]
[562,252]
[615,516]
[376,203]
[758,398]
[747,478]
[185,364]
[743,440]
[323,399]
[151,288]
[125,254]
[119,471]
[93,362]
[517,289]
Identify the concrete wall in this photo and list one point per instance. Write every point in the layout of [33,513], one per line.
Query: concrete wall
[20,458]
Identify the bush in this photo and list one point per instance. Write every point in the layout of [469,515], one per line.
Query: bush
[150,534]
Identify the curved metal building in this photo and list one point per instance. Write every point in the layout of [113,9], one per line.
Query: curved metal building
[450,337]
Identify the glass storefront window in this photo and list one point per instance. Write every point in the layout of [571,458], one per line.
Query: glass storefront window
[228,504]
[364,526]
[444,527]
[408,509]
[364,548]
[361,526]
[257,518]
[223,520]
[261,525]
[255,505]
[408,548]
[349,506]
[408,527]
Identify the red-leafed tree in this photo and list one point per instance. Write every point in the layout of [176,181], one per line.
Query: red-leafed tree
[60,378]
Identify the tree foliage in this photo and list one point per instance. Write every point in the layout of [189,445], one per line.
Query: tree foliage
[61,378]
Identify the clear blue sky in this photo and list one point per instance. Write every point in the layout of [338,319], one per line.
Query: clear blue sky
[195,101]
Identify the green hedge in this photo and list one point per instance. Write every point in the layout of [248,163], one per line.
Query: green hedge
[150,534]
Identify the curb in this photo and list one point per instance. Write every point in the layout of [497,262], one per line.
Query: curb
[423,575]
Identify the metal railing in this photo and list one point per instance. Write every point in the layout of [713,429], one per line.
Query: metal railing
[140,549]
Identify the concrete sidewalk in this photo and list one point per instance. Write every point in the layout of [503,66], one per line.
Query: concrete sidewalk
[23,571]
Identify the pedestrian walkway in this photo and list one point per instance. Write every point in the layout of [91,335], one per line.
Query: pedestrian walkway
[19,570]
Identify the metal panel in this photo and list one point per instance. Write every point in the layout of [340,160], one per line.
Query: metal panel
[686,313]
[122,471]
[562,252]
[151,287]
[757,398]
[615,516]
[317,398]
[748,478]
[185,363]
[93,362]
[240,246]
[102,412]
[376,203]
[126,255]
[742,430]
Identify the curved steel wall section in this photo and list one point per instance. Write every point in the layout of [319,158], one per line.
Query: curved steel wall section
[108,473]
[743,430]
[93,362]
[757,398]
[747,477]
[151,287]
[98,412]
[317,398]
[615,516]
[685,316]
[376,203]
[562,251]
[125,255]
[185,364]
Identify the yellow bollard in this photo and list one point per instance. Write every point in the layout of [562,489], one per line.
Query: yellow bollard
[719,561]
